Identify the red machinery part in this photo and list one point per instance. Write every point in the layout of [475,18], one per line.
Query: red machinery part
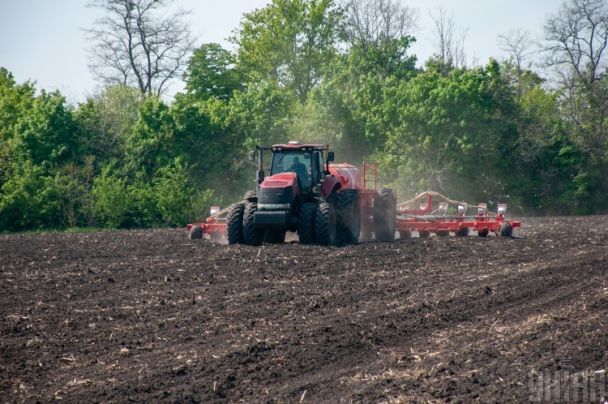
[425,219]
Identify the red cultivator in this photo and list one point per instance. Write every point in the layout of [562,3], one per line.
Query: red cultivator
[448,216]
[214,226]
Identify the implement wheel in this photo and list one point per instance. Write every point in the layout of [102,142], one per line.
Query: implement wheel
[385,212]
[463,232]
[234,223]
[506,230]
[423,233]
[196,232]
[483,232]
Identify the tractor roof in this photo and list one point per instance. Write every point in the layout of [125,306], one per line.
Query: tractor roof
[293,145]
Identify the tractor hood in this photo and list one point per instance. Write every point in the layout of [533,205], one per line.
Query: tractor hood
[278,191]
[281,180]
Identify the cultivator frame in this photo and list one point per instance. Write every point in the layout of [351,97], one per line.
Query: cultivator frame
[214,226]
[428,218]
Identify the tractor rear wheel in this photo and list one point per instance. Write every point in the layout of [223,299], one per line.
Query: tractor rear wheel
[506,230]
[196,232]
[251,234]
[385,211]
[234,223]
[348,216]
[250,196]
[306,223]
[325,224]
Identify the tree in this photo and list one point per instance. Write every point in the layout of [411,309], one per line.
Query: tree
[134,45]
[518,46]
[212,72]
[290,42]
[577,38]
[449,42]
[106,119]
[372,21]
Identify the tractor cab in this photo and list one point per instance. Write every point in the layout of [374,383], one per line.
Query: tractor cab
[305,161]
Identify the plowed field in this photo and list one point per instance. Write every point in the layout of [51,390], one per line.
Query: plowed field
[152,316]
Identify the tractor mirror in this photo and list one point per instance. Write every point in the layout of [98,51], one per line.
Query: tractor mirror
[330,156]
[252,155]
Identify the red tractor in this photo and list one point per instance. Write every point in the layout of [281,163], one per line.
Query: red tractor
[327,204]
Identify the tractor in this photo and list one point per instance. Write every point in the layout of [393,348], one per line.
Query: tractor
[325,203]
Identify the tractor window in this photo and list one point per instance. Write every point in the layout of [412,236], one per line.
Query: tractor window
[318,161]
[296,162]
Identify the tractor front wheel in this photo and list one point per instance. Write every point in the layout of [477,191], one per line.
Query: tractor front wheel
[325,224]
[306,223]
[234,223]
[251,234]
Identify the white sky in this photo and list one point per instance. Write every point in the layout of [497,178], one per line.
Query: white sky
[43,41]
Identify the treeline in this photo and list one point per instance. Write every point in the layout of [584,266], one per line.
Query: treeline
[303,69]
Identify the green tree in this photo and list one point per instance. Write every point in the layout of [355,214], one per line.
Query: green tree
[106,119]
[212,73]
[289,42]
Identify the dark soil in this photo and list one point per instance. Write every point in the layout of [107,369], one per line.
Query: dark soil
[152,316]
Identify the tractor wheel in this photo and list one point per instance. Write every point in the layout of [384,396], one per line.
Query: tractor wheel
[506,230]
[424,233]
[250,196]
[196,232]
[348,217]
[274,236]
[306,223]
[234,223]
[463,232]
[325,224]
[385,211]
[483,232]
[251,234]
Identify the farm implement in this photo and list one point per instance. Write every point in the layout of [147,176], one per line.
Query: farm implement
[334,204]
[431,212]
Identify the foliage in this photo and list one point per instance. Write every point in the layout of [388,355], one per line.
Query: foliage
[289,42]
[298,72]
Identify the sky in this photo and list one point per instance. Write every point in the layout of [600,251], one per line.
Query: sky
[43,40]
